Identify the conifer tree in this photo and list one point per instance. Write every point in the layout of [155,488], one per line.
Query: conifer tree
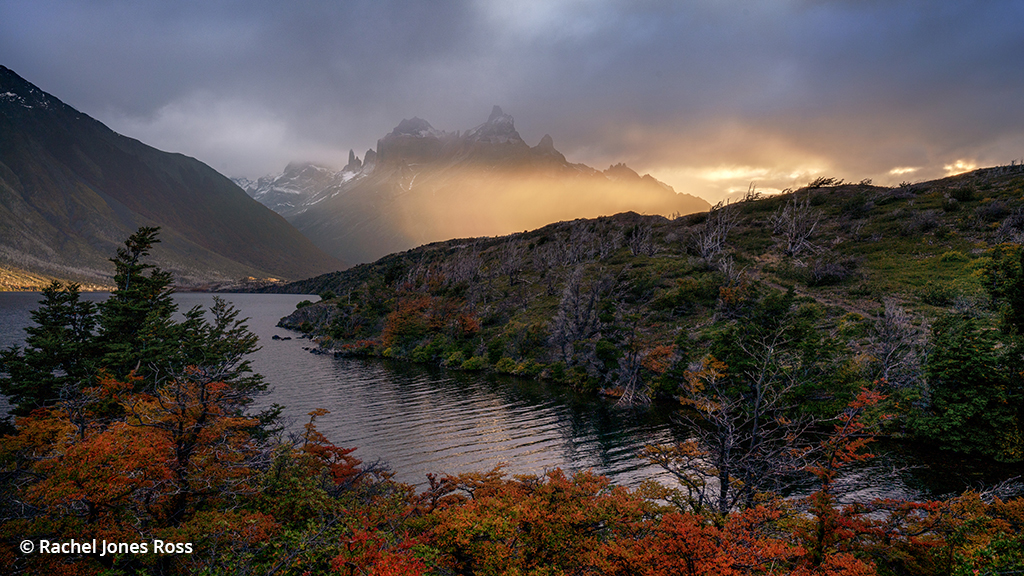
[132,334]
[60,351]
[136,329]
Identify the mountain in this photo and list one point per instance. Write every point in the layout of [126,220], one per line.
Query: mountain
[422,185]
[71,191]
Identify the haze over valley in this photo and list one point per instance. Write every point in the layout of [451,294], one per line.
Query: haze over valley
[423,185]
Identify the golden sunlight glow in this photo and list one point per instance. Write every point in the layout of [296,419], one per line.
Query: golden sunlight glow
[731,173]
[959,167]
[456,206]
[900,170]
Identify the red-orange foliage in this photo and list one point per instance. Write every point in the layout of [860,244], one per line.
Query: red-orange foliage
[408,320]
[486,524]
[418,315]
[321,454]
[690,544]
[169,458]
[370,552]
[828,535]
[659,358]
[180,464]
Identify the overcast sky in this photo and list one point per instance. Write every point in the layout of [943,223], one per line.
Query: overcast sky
[707,95]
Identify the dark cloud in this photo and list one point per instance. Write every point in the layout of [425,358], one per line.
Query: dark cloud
[704,94]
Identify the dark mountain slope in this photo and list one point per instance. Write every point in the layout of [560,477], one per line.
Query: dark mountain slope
[71,190]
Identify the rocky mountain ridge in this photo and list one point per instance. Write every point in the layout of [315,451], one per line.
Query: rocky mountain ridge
[422,184]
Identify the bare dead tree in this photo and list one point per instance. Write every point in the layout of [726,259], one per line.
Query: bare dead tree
[794,224]
[1012,228]
[896,347]
[577,317]
[609,243]
[511,259]
[732,272]
[547,262]
[638,238]
[738,450]
[463,266]
[634,390]
[710,237]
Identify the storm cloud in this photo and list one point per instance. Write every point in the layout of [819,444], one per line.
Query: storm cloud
[705,95]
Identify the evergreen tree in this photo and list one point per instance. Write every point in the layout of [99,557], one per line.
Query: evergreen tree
[60,353]
[136,329]
[1004,279]
[132,333]
[974,398]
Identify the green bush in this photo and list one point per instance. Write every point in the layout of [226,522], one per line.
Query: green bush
[528,368]
[852,325]
[475,363]
[495,350]
[455,359]
[963,194]
[303,304]
[578,379]
[505,365]
[420,354]
[954,256]
[608,353]
[938,294]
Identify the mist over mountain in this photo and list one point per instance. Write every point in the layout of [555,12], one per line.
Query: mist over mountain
[71,191]
[422,184]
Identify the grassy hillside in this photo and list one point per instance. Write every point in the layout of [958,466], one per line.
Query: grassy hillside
[827,289]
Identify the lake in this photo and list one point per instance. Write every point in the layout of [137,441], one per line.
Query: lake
[421,419]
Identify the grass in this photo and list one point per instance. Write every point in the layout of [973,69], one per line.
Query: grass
[883,243]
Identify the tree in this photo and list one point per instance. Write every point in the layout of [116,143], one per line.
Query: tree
[135,322]
[830,527]
[743,447]
[896,347]
[795,223]
[709,239]
[60,351]
[131,333]
[974,397]
[577,320]
[739,401]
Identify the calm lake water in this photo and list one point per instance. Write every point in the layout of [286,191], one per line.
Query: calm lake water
[421,419]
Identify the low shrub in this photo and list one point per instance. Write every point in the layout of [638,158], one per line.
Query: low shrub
[993,211]
[505,365]
[938,294]
[828,270]
[475,363]
[920,222]
[954,256]
[455,360]
[528,368]
[963,194]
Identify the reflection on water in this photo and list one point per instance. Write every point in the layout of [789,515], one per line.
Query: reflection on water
[421,419]
[424,420]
